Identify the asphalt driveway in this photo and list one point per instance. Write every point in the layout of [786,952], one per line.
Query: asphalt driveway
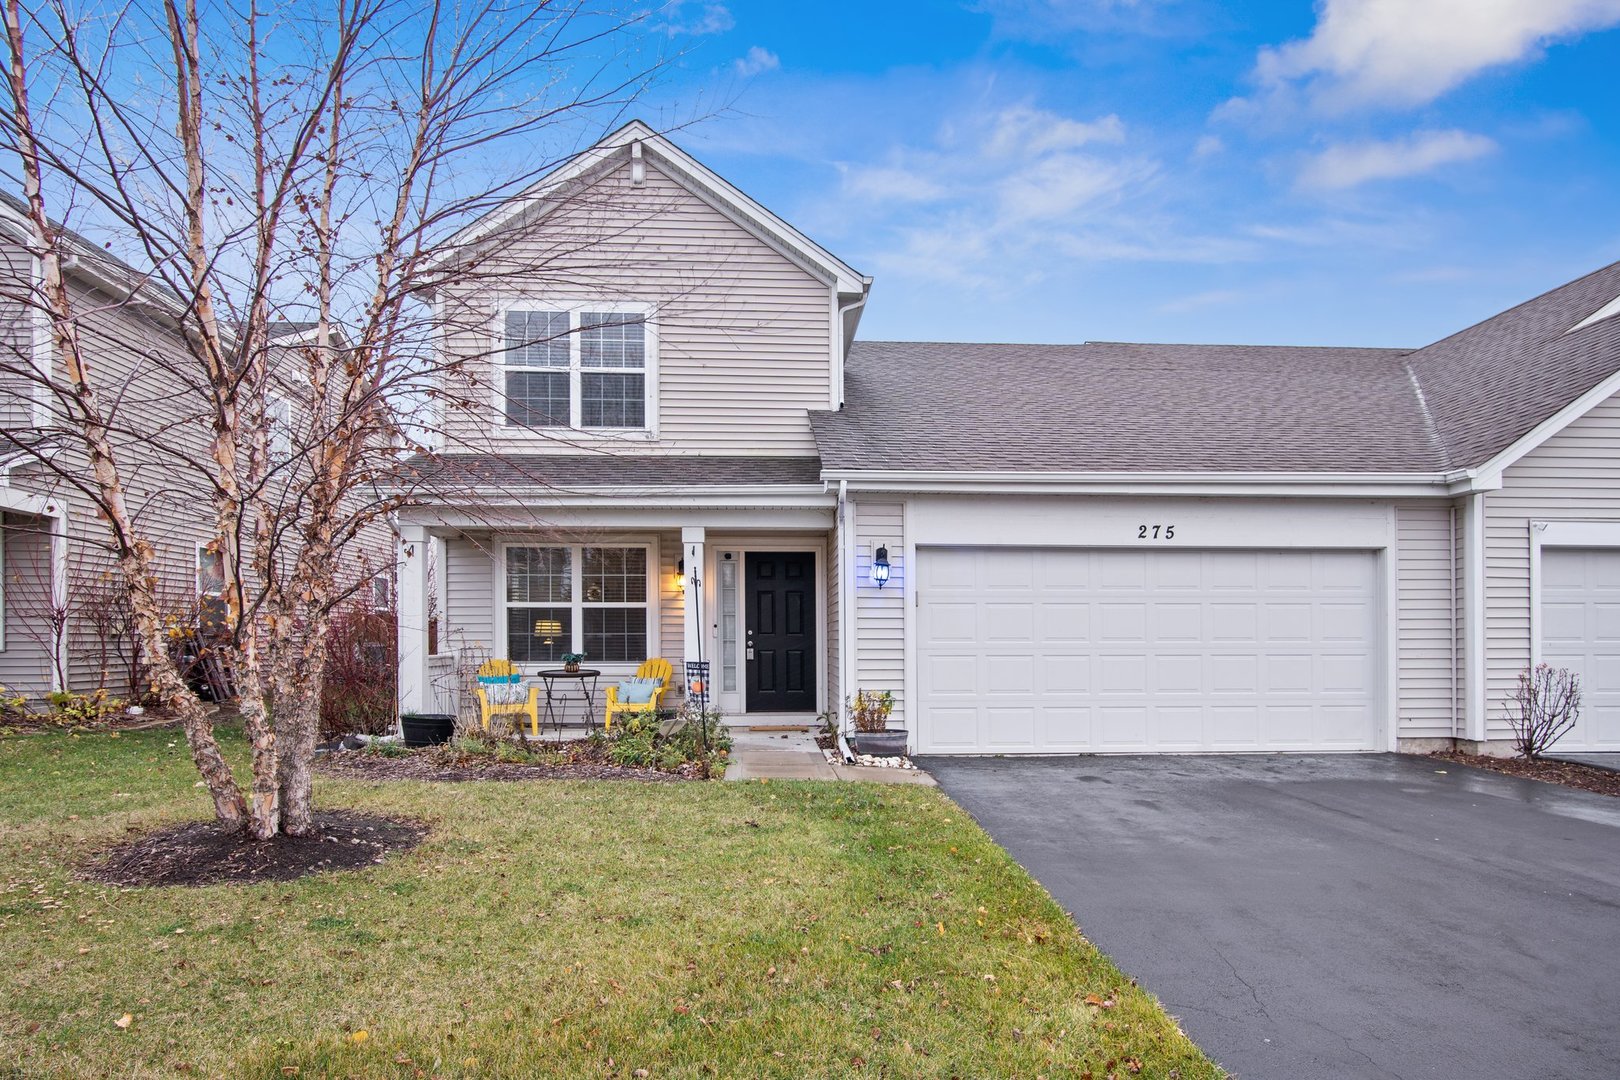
[1359,916]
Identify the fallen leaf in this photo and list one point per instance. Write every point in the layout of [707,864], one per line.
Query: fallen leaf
[124,1021]
[360,1036]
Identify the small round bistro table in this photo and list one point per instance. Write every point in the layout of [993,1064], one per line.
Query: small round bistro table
[552,676]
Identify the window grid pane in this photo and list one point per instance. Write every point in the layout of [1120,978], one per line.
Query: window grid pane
[537,339]
[615,575]
[537,398]
[526,638]
[616,635]
[538,575]
[610,339]
[612,401]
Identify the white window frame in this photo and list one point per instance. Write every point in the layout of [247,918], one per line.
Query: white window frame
[278,416]
[574,307]
[577,603]
[202,549]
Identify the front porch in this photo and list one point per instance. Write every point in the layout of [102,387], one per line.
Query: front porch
[757,605]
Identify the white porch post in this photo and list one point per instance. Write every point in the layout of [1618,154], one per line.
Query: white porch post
[60,675]
[692,602]
[414,693]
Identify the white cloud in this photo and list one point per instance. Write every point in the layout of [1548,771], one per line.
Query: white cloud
[1023,129]
[1349,164]
[890,183]
[1403,53]
[756,60]
[682,17]
[1207,147]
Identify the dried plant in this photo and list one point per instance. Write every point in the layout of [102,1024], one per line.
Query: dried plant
[1545,706]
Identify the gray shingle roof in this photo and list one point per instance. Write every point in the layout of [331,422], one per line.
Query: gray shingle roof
[1114,407]
[1117,407]
[1489,385]
[593,471]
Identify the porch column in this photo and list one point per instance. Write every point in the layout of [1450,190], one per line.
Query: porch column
[61,677]
[692,602]
[414,693]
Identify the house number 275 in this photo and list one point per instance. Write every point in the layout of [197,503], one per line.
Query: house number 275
[1155,532]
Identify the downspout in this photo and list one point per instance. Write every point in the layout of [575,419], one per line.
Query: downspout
[1456,656]
[846,617]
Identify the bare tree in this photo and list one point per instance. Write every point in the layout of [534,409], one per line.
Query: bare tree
[283,214]
[1545,706]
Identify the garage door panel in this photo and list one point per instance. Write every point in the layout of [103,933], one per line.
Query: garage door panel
[1057,622]
[1122,622]
[1135,651]
[1286,622]
[1114,570]
[1009,674]
[1065,674]
[1179,674]
[1064,728]
[1579,627]
[1004,622]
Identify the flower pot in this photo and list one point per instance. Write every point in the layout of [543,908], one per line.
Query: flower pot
[427,729]
[888,743]
[571,668]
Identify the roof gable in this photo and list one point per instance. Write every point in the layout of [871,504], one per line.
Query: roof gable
[634,143]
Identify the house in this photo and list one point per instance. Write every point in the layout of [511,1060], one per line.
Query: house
[676,445]
[63,622]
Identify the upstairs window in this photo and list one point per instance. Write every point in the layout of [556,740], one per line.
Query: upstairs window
[580,369]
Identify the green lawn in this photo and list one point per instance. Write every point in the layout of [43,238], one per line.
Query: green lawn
[553,928]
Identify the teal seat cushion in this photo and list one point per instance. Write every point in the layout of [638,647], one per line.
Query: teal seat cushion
[499,680]
[637,691]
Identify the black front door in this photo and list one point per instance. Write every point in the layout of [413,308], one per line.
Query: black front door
[780,599]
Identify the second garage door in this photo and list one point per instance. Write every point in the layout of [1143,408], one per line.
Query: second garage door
[1077,651]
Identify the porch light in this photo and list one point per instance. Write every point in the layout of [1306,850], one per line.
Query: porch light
[547,630]
[680,575]
[880,566]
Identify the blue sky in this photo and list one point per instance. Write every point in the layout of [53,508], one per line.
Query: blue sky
[1360,172]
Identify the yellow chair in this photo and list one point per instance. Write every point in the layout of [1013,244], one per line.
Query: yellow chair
[530,708]
[656,668]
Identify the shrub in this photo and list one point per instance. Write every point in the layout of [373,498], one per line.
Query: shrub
[870,710]
[695,737]
[361,672]
[71,709]
[1544,708]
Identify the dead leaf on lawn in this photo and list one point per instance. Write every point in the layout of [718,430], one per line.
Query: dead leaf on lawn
[124,1021]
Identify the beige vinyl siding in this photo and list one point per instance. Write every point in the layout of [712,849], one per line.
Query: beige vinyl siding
[744,333]
[669,637]
[880,614]
[16,338]
[1459,616]
[1574,476]
[1425,625]
[25,660]
[469,595]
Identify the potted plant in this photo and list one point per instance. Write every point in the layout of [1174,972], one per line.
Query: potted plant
[571,661]
[870,712]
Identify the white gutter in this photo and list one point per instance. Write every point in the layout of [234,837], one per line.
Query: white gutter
[1337,485]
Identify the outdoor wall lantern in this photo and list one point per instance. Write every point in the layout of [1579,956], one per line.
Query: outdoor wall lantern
[680,575]
[547,630]
[880,566]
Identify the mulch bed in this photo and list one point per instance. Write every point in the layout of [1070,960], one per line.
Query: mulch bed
[203,853]
[444,764]
[1584,777]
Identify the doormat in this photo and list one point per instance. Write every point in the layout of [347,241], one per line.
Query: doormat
[779,727]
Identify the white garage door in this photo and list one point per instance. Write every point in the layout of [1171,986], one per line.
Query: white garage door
[1580,630]
[1087,651]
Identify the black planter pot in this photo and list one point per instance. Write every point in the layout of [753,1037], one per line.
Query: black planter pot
[888,743]
[427,729]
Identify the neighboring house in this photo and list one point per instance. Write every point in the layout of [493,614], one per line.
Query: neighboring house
[1091,548]
[61,626]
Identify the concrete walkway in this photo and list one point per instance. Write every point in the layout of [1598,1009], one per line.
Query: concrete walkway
[794,755]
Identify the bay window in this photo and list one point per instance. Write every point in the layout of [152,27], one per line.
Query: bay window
[581,368]
[576,598]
